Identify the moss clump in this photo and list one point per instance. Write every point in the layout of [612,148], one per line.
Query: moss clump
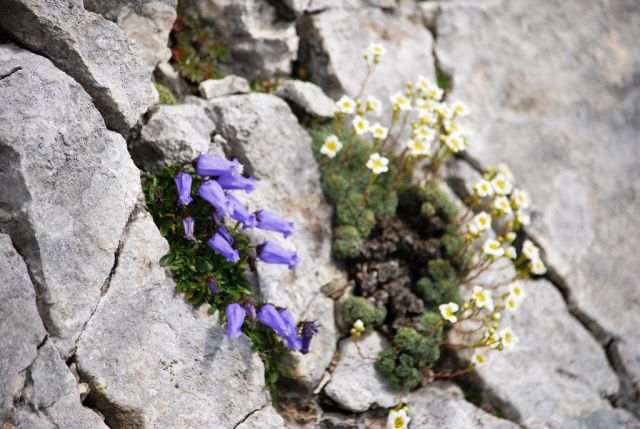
[439,285]
[347,242]
[356,307]
[166,97]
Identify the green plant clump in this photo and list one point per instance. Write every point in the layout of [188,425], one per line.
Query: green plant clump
[357,308]
[166,96]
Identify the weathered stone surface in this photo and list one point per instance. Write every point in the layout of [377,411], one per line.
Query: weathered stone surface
[266,418]
[166,75]
[557,376]
[333,42]
[228,85]
[355,384]
[262,44]
[442,405]
[21,329]
[152,360]
[306,98]
[68,188]
[265,136]
[147,22]
[92,50]
[562,109]
[173,134]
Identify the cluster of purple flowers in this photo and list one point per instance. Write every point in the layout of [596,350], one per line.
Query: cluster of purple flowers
[223,176]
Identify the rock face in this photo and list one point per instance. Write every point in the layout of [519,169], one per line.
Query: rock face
[68,188]
[92,50]
[153,360]
[147,22]
[262,44]
[566,121]
[306,98]
[333,42]
[228,85]
[266,137]
[266,418]
[173,134]
[355,384]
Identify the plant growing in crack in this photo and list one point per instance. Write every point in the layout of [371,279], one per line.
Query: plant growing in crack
[195,208]
[424,267]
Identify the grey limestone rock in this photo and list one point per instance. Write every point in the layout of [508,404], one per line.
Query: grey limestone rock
[306,98]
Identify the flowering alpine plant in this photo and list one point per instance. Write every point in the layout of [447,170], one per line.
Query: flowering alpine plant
[204,222]
[384,179]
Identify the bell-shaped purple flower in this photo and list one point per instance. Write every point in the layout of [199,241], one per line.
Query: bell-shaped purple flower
[212,165]
[293,340]
[248,184]
[223,232]
[273,253]
[235,318]
[213,285]
[240,213]
[271,221]
[183,183]
[309,329]
[213,193]
[188,223]
[220,244]
[251,310]
[269,316]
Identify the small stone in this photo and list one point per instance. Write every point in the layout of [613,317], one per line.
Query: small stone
[306,98]
[228,85]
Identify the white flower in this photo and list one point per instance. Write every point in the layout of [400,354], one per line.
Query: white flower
[501,185]
[399,101]
[517,291]
[360,125]
[378,164]
[417,147]
[493,340]
[455,142]
[346,104]
[482,298]
[398,419]
[483,188]
[523,218]
[510,236]
[512,303]
[508,338]
[443,110]
[431,90]
[378,131]
[520,199]
[492,247]
[427,117]
[448,311]
[530,250]
[482,221]
[450,126]
[331,146]
[510,252]
[537,267]
[502,205]
[478,359]
[358,325]
[374,104]
[472,228]
[504,169]
[424,134]
[460,109]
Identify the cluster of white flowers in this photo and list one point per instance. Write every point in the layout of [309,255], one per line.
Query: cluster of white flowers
[532,253]
[358,328]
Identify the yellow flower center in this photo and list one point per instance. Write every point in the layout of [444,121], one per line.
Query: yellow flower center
[377,163]
[398,422]
[332,146]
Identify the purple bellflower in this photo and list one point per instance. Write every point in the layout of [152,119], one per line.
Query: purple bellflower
[293,339]
[212,165]
[220,244]
[235,318]
[213,285]
[223,232]
[251,310]
[309,329]
[273,253]
[269,316]
[271,221]
[237,182]
[188,224]
[213,193]
[183,182]
[240,213]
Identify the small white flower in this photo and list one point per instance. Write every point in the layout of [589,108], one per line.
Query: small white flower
[520,199]
[502,205]
[482,298]
[448,312]
[483,188]
[537,267]
[346,104]
[444,111]
[398,419]
[482,221]
[530,250]
[501,185]
[478,359]
[492,247]
[378,164]
[508,338]
[455,142]
[424,134]
[450,126]
[512,303]
[428,88]
[504,169]
[417,147]
[331,146]
[378,131]
[399,101]
[358,325]
[460,109]
[427,117]
[376,50]
[360,125]
[374,105]
[493,340]
[517,291]
[523,218]
[510,252]
[472,228]
[510,236]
